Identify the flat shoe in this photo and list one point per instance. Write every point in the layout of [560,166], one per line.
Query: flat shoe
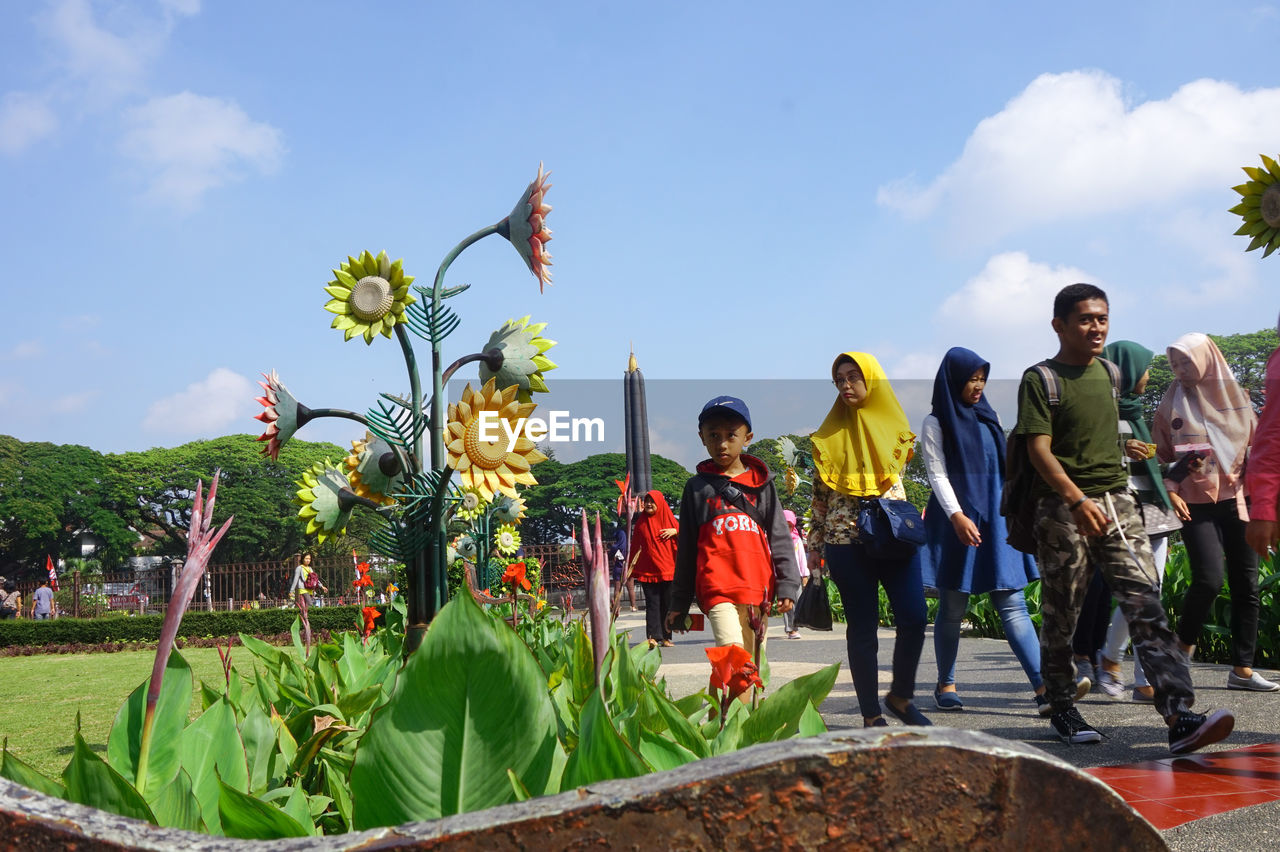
[1253,683]
[878,723]
[947,700]
[910,716]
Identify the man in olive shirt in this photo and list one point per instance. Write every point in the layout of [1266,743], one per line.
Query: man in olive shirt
[1086,519]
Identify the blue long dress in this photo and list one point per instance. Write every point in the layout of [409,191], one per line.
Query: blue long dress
[948,564]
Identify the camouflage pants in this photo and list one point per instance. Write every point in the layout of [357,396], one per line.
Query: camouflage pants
[1067,561]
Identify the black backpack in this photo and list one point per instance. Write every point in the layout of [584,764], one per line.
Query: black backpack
[1017,501]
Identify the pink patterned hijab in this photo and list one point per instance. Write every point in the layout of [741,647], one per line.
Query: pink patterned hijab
[1206,404]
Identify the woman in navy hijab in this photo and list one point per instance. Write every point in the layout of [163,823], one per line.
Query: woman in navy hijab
[964,447]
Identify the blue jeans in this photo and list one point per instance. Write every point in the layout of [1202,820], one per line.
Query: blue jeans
[858,578]
[1018,629]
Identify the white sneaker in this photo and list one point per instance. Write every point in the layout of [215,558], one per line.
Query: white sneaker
[1253,683]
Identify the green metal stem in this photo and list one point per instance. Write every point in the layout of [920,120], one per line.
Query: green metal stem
[437,400]
[314,413]
[420,610]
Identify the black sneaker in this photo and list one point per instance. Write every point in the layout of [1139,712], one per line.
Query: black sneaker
[1193,731]
[1072,728]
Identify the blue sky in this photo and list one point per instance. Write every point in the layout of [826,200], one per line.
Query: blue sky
[741,190]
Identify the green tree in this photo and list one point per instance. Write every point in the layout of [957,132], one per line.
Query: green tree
[153,491]
[554,505]
[49,495]
[768,451]
[1246,353]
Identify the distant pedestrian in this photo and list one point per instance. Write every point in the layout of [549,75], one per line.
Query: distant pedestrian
[305,582]
[802,561]
[618,562]
[10,601]
[42,601]
[653,542]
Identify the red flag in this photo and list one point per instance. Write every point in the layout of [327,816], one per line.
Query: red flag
[624,486]
[53,575]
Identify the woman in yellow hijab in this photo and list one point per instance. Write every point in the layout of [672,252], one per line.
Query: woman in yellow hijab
[859,452]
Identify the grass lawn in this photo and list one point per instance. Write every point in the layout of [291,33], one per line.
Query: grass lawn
[43,693]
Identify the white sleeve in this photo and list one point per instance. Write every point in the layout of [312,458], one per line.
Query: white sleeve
[935,465]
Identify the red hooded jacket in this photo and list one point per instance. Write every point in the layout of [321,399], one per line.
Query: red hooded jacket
[723,554]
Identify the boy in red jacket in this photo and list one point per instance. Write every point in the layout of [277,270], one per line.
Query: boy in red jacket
[733,553]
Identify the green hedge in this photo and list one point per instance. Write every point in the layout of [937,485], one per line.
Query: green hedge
[146,628]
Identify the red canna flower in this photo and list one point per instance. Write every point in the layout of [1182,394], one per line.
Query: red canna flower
[362,581]
[732,669]
[515,574]
[370,614]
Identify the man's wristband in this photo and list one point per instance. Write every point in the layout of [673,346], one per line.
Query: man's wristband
[1077,504]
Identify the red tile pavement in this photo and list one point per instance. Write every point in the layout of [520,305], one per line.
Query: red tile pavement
[1177,790]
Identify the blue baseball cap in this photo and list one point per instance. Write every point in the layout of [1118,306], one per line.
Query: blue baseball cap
[726,405]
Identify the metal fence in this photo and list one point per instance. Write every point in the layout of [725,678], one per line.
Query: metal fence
[245,585]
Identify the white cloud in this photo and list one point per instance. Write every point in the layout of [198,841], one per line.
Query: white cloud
[24,120]
[73,403]
[80,322]
[1003,313]
[205,407]
[26,349]
[105,62]
[190,144]
[1071,145]
[181,7]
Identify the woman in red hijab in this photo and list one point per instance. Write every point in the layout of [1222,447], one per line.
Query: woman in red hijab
[653,547]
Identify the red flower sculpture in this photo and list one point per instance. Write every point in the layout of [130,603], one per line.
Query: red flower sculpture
[515,574]
[732,669]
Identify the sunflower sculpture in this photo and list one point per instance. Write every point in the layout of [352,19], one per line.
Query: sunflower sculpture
[401,468]
[507,539]
[283,415]
[479,446]
[1260,206]
[527,230]
[326,499]
[471,505]
[370,295]
[373,469]
[523,357]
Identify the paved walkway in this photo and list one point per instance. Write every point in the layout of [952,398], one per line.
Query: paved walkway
[1226,798]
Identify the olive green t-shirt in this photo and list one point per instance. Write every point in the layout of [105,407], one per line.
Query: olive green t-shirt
[1084,426]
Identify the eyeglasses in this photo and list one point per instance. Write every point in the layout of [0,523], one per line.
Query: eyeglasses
[841,381]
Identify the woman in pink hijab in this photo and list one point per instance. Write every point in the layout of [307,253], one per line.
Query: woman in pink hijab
[1204,425]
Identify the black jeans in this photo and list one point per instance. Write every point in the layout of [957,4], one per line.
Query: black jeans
[1215,536]
[657,603]
[858,577]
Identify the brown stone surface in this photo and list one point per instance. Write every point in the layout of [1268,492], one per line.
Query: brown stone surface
[907,789]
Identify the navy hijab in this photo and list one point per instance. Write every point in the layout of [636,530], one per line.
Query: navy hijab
[962,426]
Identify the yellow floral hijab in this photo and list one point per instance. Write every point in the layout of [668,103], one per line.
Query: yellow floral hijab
[861,451]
